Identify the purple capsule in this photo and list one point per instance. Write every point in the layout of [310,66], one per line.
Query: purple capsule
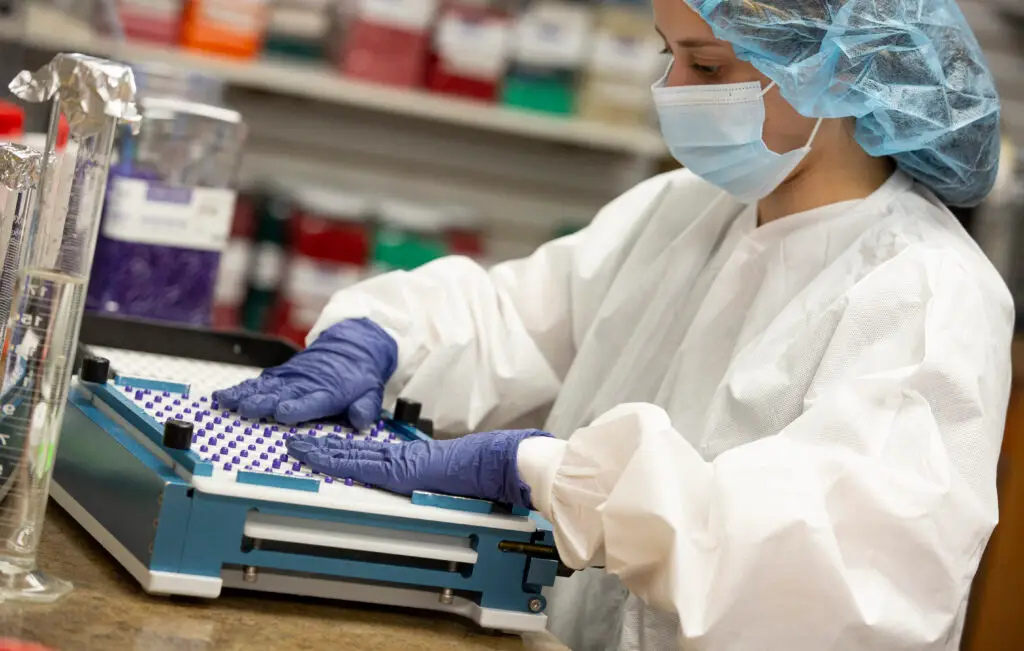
[184,396]
[196,405]
[199,418]
[232,444]
[259,439]
[229,429]
[264,456]
[217,420]
[139,395]
[350,436]
[252,447]
[195,438]
[223,450]
[149,405]
[227,466]
[206,412]
[147,391]
[276,464]
[127,389]
[176,402]
[292,430]
[284,456]
[237,423]
[328,480]
[166,394]
[288,472]
[268,432]
[337,428]
[209,426]
[220,436]
[235,460]
[158,399]
[319,426]
[348,481]
[255,464]
[214,405]
[244,454]
[203,398]
[215,457]
[296,466]
[203,448]
[187,410]
[368,485]
[178,416]
[248,430]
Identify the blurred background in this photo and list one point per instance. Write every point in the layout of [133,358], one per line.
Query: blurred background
[293,147]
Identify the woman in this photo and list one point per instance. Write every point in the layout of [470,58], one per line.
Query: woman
[777,380]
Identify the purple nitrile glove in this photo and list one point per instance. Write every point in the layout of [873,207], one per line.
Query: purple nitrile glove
[342,373]
[479,465]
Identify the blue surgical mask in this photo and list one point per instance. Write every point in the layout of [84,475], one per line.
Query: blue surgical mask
[717,133]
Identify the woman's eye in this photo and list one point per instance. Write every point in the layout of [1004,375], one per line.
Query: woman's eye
[665,50]
[705,70]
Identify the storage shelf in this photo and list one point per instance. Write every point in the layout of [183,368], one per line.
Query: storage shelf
[48,29]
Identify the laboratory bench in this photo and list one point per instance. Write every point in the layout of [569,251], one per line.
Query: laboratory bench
[108,611]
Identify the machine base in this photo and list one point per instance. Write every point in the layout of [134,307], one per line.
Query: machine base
[191,585]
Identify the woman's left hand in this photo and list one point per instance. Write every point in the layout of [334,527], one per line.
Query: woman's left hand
[478,465]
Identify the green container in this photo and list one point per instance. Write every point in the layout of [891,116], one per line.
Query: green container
[409,235]
[553,94]
[296,48]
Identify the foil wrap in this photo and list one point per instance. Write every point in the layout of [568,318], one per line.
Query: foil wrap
[19,166]
[90,91]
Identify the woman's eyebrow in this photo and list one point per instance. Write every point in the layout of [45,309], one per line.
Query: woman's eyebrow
[693,43]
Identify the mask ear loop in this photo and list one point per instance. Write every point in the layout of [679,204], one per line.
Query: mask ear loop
[814,134]
[817,127]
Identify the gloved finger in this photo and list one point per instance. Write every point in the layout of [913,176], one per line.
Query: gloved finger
[301,445]
[330,444]
[259,405]
[301,448]
[230,397]
[365,410]
[302,409]
[364,472]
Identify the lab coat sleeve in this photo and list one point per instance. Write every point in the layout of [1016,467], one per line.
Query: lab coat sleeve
[480,347]
[860,525]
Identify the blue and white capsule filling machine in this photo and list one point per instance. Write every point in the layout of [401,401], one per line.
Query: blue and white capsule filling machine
[217,503]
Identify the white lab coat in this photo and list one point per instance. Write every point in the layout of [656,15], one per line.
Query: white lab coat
[781,437]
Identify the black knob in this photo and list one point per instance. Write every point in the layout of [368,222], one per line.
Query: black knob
[407,411]
[177,434]
[95,370]
[426,426]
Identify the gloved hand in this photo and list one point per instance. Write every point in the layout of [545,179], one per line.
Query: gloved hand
[479,465]
[343,372]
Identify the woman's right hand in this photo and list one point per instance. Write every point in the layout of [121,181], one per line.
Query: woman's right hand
[342,373]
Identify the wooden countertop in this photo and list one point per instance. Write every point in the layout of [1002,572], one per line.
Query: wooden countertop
[109,612]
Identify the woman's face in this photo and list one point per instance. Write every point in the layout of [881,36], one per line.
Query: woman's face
[698,58]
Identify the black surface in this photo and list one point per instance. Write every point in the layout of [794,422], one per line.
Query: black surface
[95,369]
[242,348]
[177,434]
[426,426]
[407,411]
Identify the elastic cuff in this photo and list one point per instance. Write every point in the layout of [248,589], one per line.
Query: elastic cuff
[538,461]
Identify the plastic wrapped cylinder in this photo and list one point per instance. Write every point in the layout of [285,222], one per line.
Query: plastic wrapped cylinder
[470,52]
[299,28]
[387,41]
[549,46]
[168,214]
[228,27]
[622,64]
[155,21]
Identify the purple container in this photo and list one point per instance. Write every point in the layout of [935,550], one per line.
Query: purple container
[168,214]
